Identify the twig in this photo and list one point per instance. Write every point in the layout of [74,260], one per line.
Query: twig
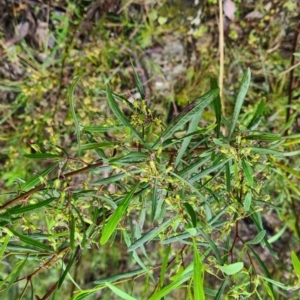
[25,195]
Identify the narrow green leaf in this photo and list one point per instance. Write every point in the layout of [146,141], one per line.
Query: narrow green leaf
[186,115]
[119,292]
[296,263]
[72,232]
[120,276]
[14,274]
[172,286]
[267,137]
[263,266]
[257,219]
[217,106]
[190,185]
[194,167]
[154,200]
[138,82]
[266,151]
[116,217]
[69,266]
[110,179]
[42,155]
[221,290]
[29,241]
[83,241]
[208,171]
[248,171]
[258,238]
[257,115]
[182,238]
[142,265]
[277,283]
[228,176]
[4,245]
[247,201]
[240,99]
[232,268]
[164,266]
[131,157]
[90,146]
[213,246]
[36,179]
[278,235]
[149,235]
[198,275]
[121,117]
[72,106]
[22,209]
[102,129]
[21,249]
[99,151]
[191,212]
[186,141]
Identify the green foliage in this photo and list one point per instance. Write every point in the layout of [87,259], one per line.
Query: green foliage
[182,189]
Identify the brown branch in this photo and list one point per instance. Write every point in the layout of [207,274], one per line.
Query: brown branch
[25,195]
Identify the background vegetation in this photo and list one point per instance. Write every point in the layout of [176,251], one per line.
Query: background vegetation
[109,191]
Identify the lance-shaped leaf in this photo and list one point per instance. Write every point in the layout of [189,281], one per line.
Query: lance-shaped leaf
[240,99]
[186,115]
[72,106]
[185,143]
[121,117]
[149,235]
[37,179]
[119,292]
[138,82]
[116,217]
[198,275]
[232,268]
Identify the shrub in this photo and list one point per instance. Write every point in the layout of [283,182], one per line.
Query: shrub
[175,195]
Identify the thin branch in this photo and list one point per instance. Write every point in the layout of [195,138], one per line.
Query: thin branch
[24,196]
